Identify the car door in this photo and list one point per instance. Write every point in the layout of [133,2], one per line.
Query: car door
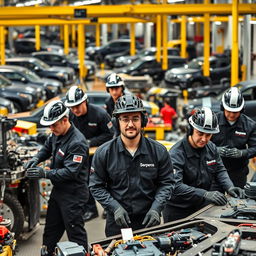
[14,76]
[219,69]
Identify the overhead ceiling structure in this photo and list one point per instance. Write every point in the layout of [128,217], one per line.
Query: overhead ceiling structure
[129,13]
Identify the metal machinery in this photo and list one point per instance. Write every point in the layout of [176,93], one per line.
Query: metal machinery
[214,230]
[19,198]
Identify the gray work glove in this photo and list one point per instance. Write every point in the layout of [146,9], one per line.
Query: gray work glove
[236,192]
[121,217]
[215,197]
[151,219]
[31,163]
[235,153]
[36,173]
[222,150]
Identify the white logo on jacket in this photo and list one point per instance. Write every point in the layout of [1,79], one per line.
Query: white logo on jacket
[146,165]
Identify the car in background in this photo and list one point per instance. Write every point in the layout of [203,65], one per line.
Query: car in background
[115,46]
[28,45]
[65,75]
[149,66]
[23,97]
[57,59]
[191,75]
[110,59]
[29,78]
[127,60]
[248,89]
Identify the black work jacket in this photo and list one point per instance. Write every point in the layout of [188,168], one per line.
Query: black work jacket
[137,183]
[194,171]
[110,105]
[241,135]
[69,165]
[95,125]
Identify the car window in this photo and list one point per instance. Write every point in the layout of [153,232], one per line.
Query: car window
[213,64]
[149,64]
[97,100]
[12,75]
[55,58]
[248,94]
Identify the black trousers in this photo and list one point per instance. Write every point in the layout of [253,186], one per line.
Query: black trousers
[239,178]
[112,229]
[64,213]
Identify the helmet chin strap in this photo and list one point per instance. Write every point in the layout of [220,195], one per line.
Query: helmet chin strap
[193,144]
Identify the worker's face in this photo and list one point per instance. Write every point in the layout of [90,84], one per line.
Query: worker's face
[231,116]
[79,110]
[116,92]
[59,128]
[199,139]
[130,124]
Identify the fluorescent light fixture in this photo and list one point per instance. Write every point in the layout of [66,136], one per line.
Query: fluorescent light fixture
[174,1]
[253,22]
[218,23]
[86,2]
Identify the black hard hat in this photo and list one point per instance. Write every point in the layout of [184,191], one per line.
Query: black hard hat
[75,96]
[53,112]
[114,80]
[204,120]
[233,100]
[128,103]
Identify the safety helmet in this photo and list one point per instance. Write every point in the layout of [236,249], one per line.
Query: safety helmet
[204,120]
[114,80]
[75,96]
[53,112]
[128,103]
[233,100]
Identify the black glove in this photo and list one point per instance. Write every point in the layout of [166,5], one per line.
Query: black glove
[151,219]
[235,153]
[222,150]
[36,173]
[121,217]
[215,197]
[31,163]
[236,192]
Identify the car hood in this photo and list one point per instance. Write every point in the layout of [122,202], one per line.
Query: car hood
[52,82]
[183,71]
[21,88]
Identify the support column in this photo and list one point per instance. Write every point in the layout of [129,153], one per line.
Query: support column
[114,31]
[165,38]
[38,39]
[2,45]
[158,37]
[81,46]
[234,52]
[104,32]
[206,42]
[183,36]
[132,37]
[147,35]
[73,35]
[66,39]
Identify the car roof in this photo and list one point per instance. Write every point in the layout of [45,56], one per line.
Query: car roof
[46,53]
[26,39]
[13,68]
[149,58]
[30,59]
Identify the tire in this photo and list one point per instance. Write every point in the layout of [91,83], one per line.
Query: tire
[13,210]
[196,84]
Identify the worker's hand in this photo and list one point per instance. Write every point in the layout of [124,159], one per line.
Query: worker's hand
[31,163]
[36,173]
[235,153]
[151,219]
[222,151]
[236,192]
[121,217]
[215,197]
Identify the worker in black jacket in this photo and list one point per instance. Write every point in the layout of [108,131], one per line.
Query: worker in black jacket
[196,163]
[131,176]
[237,138]
[68,173]
[96,126]
[115,87]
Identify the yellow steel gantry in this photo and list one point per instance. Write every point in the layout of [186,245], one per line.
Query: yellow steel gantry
[64,15]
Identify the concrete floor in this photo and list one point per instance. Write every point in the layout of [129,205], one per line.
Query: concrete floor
[31,247]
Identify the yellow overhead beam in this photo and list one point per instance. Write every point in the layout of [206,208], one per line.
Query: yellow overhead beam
[121,10]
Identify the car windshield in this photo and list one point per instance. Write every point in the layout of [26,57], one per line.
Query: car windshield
[195,64]
[32,76]
[135,64]
[145,52]
[41,64]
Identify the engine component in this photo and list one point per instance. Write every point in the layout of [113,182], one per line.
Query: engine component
[69,249]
